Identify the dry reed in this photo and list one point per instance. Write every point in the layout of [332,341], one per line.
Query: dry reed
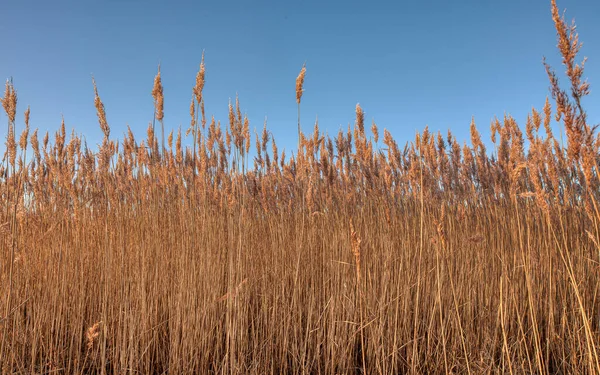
[435,257]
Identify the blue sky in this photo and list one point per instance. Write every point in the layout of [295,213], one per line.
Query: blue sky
[408,63]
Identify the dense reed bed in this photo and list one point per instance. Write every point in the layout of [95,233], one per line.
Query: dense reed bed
[354,255]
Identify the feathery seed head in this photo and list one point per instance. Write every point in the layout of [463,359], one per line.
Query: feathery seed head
[9,101]
[192,115]
[355,243]
[375,131]
[200,81]
[100,113]
[360,120]
[157,94]
[25,133]
[92,334]
[300,84]
[11,145]
[35,144]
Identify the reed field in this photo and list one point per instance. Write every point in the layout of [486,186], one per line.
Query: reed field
[354,255]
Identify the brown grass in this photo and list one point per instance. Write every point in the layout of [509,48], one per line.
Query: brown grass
[349,257]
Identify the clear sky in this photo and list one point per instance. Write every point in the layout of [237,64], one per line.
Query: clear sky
[408,63]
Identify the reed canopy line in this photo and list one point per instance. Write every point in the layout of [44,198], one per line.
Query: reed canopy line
[354,256]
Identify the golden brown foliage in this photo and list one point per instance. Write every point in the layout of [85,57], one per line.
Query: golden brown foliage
[438,257]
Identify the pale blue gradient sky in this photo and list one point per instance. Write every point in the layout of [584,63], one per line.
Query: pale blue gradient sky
[408,63]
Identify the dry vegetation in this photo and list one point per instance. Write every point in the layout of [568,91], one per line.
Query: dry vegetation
[353,256]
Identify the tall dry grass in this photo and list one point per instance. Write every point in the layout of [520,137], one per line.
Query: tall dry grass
[352,256]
